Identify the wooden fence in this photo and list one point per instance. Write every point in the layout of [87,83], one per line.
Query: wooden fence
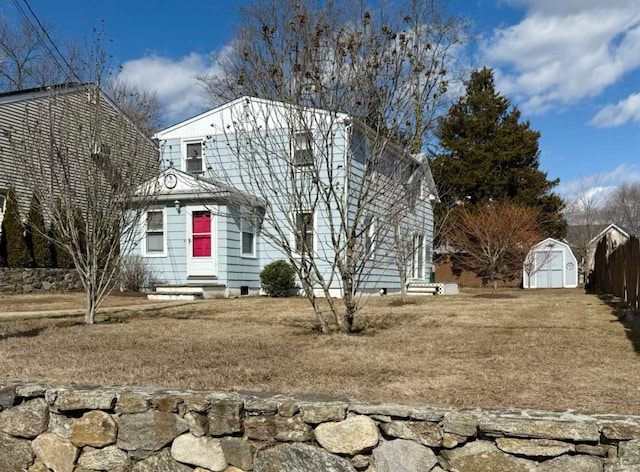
[617,270]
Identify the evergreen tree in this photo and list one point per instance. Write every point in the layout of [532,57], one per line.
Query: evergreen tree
[61,258]
[36,235]
[488,154]
[13,231]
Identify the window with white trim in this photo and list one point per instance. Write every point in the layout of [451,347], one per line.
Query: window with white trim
[303,237]
[194,162]
[302,149]
[248,232]
[3,202]
[155,242]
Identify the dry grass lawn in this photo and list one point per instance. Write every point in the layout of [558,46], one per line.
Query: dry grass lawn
[555,349]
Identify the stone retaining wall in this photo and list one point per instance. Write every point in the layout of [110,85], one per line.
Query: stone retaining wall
[14,280]
[83,429]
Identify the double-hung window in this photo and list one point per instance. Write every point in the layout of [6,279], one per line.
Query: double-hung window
[370,237]
[193,158]
[417,261]
[155,233]
[302,149]
[304,232]
[248,233]
[3,205]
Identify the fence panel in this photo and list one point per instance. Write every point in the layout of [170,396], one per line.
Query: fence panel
[617,270]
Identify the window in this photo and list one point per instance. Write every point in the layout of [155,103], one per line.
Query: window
[154,237]
[417,260]
[302,149]
[304,233]
[248,233]
[101,151]
[3,202]
[193,158]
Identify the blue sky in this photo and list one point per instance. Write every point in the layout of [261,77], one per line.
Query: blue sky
[571,66]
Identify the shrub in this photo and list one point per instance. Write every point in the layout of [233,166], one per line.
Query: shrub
[37,241]
[135,274]
[278,279]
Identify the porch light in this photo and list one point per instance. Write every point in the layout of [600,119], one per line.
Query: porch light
[177,205]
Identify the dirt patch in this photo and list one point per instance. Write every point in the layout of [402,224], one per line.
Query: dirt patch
[64,301]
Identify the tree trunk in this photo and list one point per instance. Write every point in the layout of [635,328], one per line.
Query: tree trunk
[89,317]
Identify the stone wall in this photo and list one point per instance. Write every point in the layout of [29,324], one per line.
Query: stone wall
[83,429]
[13,280]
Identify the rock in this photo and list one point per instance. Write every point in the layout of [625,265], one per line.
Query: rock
[95,428]
[160,462]
[572,464]
[620,431]
[60,425]
[351,436]
[268,428]
[224,417]
[534,447]
[298,457]
[132,402]
[423,432]
[450,440]
[149,431]
[109,458]
[198,402]
[323,412]
[39,467]
[601,451]
[166,402]
[15,454]
[264,406]
[583,431]
[228,469]
[360,461]
[288,408]
[198,424]
[7,396]
[462,424]
[386,409]
[629,452]
[57,453]
[27,420]
[401,455]
[238,452]
[199,451]
[91,399]
[483,456]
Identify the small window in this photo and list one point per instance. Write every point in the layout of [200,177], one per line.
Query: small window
[302,149]
[193,158]
[3,202]
[248,233]
[155,232]
[101,150]
[304,233]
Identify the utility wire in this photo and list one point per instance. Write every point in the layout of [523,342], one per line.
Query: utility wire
[67,69]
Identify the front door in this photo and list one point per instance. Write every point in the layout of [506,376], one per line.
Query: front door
[200,242]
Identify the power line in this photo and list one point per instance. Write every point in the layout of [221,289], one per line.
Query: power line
[67,69]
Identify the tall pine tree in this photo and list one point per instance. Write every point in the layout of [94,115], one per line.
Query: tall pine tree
[488,154]
[13,230]
[37,240]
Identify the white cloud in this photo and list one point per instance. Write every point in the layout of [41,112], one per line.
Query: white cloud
[622,112]
[564,50]
[174,80]
[603,182]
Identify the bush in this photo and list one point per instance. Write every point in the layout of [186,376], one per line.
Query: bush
[39,245]
[13,231]
[135,274]
[278,279]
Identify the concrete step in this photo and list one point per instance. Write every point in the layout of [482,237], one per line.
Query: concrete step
[174,296]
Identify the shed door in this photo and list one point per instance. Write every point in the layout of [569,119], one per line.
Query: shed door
[200,243]
[550,274]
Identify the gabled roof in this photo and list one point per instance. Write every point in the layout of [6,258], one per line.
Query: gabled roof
[607,229]
[228,117]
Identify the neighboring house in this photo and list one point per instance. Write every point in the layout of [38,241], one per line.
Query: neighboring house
[550,264]
[72,105]
[206,233]
[584,239]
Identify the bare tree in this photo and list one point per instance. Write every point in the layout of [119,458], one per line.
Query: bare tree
[349,74]
[493,239]
[623,207]
[87,161]
[585,213]
[537,261]
[142,106]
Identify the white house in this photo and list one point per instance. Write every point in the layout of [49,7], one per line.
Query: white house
[550,264]
[245,178]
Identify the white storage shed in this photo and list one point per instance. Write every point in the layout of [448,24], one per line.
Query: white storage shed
[550,264]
